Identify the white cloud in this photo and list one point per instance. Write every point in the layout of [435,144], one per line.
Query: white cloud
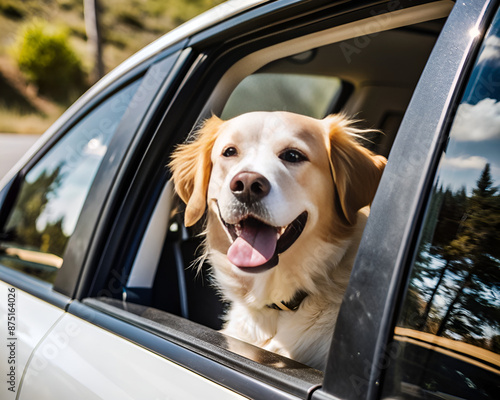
[491,50]
[477,122]
[471,162]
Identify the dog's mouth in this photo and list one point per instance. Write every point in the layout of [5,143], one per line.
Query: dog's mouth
[256,245]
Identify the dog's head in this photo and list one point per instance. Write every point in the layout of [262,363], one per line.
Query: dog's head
[273,182]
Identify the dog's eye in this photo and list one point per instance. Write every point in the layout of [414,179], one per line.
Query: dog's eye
[230,152]
[292,156]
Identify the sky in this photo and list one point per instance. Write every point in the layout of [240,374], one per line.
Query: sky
[475,133]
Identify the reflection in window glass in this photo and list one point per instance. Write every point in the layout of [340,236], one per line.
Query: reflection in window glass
[310,95]
[448,333]
[52,193]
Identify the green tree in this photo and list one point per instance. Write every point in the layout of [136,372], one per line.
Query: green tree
[32,200]
[44,54]
[447,209]
[459,254]
[53,238]
[475,253]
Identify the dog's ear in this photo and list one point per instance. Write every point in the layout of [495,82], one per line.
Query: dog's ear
[191,166]
[356,170]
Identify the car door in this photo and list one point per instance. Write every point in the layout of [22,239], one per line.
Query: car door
[21,339]
[38,225]
[446,338]
[79,359]
[41,209]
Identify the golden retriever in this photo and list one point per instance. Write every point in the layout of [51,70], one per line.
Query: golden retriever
[286,198]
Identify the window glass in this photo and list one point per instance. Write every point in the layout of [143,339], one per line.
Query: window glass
[447,339]
[311,95]
[52,193]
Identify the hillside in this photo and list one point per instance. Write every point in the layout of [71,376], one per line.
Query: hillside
[127,26]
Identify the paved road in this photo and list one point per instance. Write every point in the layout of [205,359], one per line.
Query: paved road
[12,148]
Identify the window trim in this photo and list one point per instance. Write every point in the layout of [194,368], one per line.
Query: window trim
[358,353]
[40,289]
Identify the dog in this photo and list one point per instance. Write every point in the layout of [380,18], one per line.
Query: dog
[286,199]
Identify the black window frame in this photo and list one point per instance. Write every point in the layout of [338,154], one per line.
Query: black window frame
[360,350]
[433,353]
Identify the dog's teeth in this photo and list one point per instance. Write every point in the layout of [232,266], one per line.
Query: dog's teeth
[280,231]
[237,229]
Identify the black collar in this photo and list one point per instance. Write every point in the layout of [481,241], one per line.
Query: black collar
[291,305]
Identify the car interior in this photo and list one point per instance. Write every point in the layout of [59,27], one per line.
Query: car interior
[367,71]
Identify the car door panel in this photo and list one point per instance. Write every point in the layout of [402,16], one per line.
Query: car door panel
[20,338]
[35,305]
[79,360]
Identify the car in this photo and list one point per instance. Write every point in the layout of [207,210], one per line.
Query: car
[97,299]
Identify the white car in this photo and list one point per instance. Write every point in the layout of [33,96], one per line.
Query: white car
[97,300]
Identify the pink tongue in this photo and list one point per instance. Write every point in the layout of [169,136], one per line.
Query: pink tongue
[254,247]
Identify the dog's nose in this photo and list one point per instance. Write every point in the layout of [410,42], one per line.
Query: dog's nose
[249,187]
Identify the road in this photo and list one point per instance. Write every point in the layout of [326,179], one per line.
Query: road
[12,148]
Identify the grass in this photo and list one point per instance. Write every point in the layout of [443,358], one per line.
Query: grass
[16,121]
[22,110]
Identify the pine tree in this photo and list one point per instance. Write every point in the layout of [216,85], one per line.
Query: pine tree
[452,208]
[475,253]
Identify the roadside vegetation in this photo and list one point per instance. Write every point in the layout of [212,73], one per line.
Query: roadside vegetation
[44,56]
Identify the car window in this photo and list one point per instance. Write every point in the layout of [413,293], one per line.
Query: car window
[52,193]
[447,339]
[310,95]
